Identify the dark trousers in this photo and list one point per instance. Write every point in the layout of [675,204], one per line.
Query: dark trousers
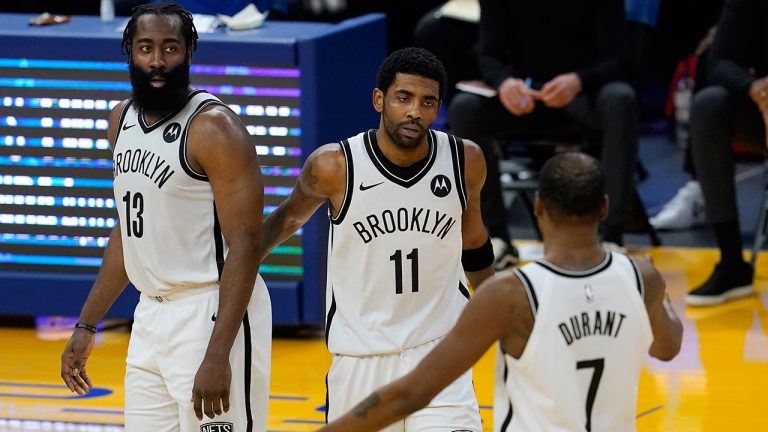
[611,110]
[719,117]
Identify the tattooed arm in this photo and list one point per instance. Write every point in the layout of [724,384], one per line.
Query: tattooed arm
[496,310]
[322,178]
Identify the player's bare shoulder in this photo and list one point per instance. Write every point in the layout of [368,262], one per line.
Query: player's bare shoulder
[114,121]
[653,282]
[474,165]
[504,295]
[325,172]
[217,123]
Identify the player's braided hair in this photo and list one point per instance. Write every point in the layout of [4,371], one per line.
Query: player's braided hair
[188,29]
[572,185]
[412,61]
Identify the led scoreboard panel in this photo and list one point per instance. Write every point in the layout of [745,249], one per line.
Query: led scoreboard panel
[57,87]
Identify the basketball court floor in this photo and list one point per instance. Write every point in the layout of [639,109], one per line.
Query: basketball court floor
[718,382]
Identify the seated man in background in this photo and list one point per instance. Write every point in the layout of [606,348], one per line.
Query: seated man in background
[580,307]
[552,63]
[732,108]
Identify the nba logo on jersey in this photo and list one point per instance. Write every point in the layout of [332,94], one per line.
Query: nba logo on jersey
[441,186]
[589,293]
[172,132]
[216,427]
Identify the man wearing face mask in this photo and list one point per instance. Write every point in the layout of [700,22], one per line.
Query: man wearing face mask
[185,171]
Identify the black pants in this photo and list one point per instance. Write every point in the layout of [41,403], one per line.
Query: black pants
[717,118]
[612,110]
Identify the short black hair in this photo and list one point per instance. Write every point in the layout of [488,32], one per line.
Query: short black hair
[188,29]
[411,61]
[572,185]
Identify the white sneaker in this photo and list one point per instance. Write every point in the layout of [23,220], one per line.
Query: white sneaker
[684,211]
[505,254]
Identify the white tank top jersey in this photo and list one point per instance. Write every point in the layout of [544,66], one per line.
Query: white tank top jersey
[171,236]
[580,368]
[395,279]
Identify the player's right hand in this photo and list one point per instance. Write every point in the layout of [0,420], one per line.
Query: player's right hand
[73,361]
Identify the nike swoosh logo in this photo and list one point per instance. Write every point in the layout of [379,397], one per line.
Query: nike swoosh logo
[362,188]
[126,127]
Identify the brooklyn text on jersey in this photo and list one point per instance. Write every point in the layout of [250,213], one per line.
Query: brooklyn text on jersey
[404,219]
[143,162]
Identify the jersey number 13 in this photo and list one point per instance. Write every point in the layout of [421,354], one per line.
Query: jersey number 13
[134,209]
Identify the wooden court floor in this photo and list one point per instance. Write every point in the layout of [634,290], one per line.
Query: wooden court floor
[719,382]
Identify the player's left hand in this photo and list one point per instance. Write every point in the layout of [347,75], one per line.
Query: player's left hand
[210,393]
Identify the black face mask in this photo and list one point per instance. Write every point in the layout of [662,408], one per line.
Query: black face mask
[166,99]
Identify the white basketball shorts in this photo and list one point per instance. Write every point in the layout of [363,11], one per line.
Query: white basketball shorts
[351,379]
[168,342]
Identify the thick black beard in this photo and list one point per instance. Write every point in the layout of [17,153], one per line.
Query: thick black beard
[164,100]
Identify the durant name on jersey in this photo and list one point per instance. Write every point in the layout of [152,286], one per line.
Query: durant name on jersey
[143,162]
[403,219]
[581,326]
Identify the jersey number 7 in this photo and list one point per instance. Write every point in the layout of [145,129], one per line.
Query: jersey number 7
[597,365]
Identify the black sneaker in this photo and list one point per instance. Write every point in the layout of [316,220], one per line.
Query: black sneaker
[725,283]
[505,254]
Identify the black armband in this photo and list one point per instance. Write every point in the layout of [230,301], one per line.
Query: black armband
[85,326]
[479,258]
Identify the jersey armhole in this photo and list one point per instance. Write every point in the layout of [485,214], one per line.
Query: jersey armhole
[529,290]
[638,278]
[183,144]
[457,154]
[348,187]
[120,123]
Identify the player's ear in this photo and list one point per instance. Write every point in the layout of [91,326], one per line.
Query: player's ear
[538,206]
[378,100]
[604,208]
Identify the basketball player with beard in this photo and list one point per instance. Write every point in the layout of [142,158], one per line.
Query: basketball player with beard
[574,328]
[405,233]
[185,171]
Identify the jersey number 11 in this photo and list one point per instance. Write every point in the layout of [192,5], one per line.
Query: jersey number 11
[413,257]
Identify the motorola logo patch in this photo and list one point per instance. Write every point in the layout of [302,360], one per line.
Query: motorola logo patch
[440,186]
[172,132]
[216,427]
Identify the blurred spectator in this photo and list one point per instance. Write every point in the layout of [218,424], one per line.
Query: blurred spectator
[732,108]
[686,209]
[553,64]
[453,39]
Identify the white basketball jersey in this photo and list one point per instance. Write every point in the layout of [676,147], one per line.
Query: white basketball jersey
[171,235]
[580,368]
[395,278]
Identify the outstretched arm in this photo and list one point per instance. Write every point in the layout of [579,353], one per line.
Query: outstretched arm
[488,317]
[322,178]
[110,282]
[472,228]
[666,326]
